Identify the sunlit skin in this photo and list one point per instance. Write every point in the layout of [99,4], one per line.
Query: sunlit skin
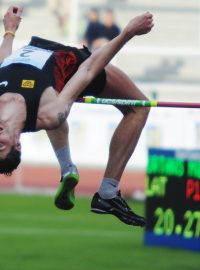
[6,142]
[11,122]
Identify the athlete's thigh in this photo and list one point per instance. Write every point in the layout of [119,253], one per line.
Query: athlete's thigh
[119,86]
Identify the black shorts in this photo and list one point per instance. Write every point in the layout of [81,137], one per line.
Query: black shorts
[94,88]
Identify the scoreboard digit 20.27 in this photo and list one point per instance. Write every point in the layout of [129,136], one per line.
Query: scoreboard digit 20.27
[173,198]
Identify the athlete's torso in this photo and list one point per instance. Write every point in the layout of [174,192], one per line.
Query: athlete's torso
[27,72]
[38,70]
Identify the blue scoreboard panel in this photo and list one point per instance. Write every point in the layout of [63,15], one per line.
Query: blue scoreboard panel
[173,198]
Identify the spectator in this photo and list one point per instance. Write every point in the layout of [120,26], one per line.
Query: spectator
[94,29]
[111,29]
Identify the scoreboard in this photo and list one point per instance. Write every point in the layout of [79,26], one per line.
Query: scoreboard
[173,198]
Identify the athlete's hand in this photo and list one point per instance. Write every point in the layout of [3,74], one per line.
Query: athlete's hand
[12,18]
[139,25]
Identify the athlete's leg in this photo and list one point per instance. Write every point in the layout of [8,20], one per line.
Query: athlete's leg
[108,199]
[128,131]
[60,143]
[64,198]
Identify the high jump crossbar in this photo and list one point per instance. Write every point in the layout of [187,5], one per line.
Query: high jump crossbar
[138,103]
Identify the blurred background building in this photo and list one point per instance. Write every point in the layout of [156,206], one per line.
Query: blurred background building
[165,64]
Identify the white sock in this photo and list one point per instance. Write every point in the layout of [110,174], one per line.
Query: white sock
[108,188]
[64,158]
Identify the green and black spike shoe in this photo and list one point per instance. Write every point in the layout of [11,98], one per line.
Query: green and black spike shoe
[64,198]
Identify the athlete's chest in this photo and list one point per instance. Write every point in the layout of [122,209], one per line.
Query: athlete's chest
[47,111]
[12,104]
[48,97]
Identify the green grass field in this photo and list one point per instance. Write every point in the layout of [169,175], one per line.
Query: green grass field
[34,235]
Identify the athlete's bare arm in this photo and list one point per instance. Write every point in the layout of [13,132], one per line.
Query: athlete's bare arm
[90,68]
[54,113]
[11,23]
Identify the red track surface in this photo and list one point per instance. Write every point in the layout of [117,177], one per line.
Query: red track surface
[48,177]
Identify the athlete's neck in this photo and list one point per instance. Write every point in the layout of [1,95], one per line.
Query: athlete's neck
[12,112]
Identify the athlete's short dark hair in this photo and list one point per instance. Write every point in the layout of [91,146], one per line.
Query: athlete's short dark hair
[10,162]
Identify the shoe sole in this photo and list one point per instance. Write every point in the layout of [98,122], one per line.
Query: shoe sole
[99,211]
[64,198]
[104,212]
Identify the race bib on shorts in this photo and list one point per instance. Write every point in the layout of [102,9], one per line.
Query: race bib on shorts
[28,55]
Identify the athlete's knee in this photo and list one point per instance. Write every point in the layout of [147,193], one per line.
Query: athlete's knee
[145,112]
[141,113]
[136,114]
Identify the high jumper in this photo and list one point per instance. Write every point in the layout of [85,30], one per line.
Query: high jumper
[38,85]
